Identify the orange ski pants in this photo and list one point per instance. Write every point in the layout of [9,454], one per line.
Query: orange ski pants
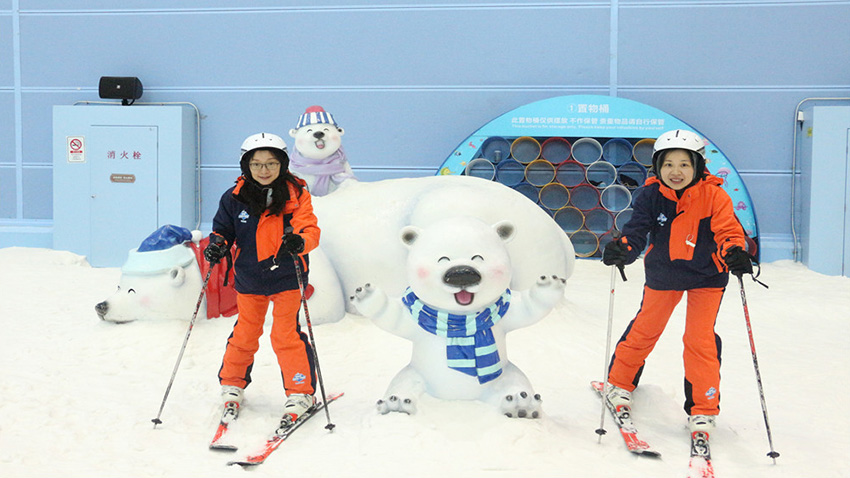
[701,345]
[290,345]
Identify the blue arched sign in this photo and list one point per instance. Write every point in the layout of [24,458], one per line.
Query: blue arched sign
[583,158]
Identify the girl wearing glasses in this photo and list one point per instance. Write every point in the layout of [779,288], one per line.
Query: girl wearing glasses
[268,216]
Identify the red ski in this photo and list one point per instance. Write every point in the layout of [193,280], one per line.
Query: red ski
[700,464]
[281,434]
[622,416]
[219,441]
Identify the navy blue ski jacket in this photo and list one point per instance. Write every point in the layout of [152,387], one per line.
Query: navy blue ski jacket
[687,236]
[258,238]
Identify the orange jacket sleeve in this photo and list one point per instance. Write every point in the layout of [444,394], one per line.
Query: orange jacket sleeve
[727,229]
[304,221]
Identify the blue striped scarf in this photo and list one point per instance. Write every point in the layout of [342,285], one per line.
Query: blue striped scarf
[470,345]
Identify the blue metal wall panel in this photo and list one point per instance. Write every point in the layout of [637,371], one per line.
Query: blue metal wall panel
[37,193]
[374,48]
[771,195]
[37,122]
[8,171]
[726,45]
[8,193]
[7,66]
[7,128]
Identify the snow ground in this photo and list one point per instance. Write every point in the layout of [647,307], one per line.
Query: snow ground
[79,394]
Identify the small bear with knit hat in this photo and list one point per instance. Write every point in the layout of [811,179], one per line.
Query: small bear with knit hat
[318,157]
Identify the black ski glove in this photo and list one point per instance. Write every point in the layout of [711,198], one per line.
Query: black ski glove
[290,244]
[738,261]
[615,253]
[216,249]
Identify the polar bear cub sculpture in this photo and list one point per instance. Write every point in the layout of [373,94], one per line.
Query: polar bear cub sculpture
[456,312]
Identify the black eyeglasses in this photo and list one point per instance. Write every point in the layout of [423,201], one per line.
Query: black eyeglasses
[271,166]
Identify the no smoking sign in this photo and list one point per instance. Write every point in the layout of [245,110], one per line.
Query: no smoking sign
[76,149]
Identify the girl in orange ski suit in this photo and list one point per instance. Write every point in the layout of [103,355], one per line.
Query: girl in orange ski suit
[690,232]
[255,217]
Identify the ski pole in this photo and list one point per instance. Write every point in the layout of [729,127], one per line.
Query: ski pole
[601,430]
[297,262]
[772,453]
[156,421]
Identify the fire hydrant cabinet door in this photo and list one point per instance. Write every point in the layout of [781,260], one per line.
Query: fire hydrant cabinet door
[123,189]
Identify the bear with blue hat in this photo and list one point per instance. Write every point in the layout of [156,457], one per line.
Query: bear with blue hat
[318,156]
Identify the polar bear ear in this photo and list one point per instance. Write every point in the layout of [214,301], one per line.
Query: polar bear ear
[177,276]
[293,132]
[505,229]
[409,235]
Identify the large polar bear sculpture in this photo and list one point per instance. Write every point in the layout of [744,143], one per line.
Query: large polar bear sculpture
[360,225]
[456,312]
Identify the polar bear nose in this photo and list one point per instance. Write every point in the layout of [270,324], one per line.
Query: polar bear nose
[319,134]
[461,276]
[101,308]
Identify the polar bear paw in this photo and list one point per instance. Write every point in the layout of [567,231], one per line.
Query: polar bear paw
[395,404]
[369,300]
[549,289]
[553,281]
[522,405]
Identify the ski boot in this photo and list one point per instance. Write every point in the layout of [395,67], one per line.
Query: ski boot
[296,405]
[232,398]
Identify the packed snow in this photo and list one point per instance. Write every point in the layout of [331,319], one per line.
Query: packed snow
[79,393]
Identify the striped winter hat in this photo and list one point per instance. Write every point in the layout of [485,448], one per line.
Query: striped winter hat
[315,115]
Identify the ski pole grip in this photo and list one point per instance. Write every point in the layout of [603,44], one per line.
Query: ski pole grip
[615,236]
[286,230]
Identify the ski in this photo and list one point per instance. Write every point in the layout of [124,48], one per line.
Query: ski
[700,464]
[228,416]
[629,432]
[280,434]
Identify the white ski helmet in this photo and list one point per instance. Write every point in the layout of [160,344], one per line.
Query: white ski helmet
[680,139]
[262,140]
